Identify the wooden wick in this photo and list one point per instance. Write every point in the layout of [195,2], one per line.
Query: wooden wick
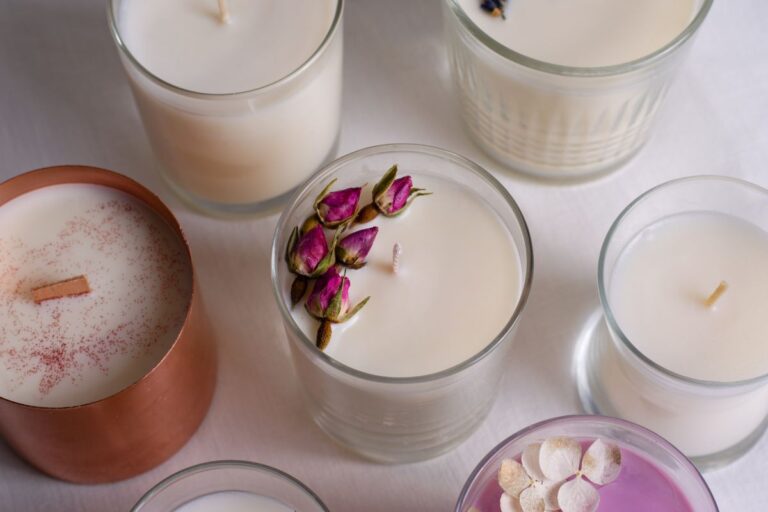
[223,11]
[716,294]
[396,252]
[67,288]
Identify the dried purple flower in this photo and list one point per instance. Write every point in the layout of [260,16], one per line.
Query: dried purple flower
[329,299]
[308,254]
[392,196]
[336,208]
[353,248]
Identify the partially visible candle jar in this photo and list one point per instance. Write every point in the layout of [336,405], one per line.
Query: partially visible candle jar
[683,284]
[239,112]
[230,485]
[566,89]
[653,474]
[106,379]
[417,369]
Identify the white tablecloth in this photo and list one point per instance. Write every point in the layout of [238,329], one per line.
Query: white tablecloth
[63,99]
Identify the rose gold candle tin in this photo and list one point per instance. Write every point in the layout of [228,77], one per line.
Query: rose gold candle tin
[139,427]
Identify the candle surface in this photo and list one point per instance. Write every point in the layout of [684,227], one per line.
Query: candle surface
[457,284]
[662,279]
[74,350]
[233,501]
[640,487]
[585,33]
[184,42]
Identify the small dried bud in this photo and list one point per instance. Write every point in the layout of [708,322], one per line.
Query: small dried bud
[335,208]
[298,289]
[324,333]
[392,196]
[309,255]
[329,299]
[353,248]
[367,214]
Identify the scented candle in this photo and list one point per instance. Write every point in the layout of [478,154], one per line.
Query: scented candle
[682,283]
[638,470]
[566,89]
[75,350]
[240,99]
[414,371]
[107,363]
[231,486]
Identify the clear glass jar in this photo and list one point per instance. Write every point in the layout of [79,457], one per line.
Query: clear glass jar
[243,152]
[627,436]
[394,419]
[713,422]
[226,476]
[556,121]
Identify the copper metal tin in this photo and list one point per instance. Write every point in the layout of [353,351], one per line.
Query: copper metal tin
[139,427]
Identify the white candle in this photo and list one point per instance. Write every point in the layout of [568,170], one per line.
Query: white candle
[457,284]
[235,149]
[75,350]
[233,501]
[557,115]
[657,294]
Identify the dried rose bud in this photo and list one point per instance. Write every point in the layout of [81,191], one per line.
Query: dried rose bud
[329,299]
[392,196]
[353,248]
[338,207]
[308,255]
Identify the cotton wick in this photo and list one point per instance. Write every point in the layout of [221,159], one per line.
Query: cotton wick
[721,288]
[67,288]
[397,251]
[223,11]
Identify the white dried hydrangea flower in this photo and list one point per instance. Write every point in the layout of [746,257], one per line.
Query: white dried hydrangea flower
[541,483]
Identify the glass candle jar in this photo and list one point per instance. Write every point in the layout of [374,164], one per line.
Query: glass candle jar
[230,485]
[553,120]
[681,350]
[239,149]
[654,474]
[421,390]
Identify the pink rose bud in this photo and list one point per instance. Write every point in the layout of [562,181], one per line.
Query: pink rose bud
[308,255]
[338,207]
[392,196]
[353,248]
[329,299]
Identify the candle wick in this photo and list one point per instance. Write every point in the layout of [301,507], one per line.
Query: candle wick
[721,288]
[224,12]
[397,251]
[68,288]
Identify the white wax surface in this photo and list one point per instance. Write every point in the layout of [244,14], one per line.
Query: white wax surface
[662,278]
[75,350]
[183,42]
[458,283]
[233,501]
[585,33]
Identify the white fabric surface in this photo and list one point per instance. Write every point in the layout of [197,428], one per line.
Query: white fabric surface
[63,99]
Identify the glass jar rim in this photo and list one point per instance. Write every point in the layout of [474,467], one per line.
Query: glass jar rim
[580,71]
[468,165]
[326,41]
[224,464]
[601,282]
[581,418]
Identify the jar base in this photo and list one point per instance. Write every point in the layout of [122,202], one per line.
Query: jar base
[593,335]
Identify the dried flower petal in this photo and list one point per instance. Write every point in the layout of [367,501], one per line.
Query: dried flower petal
[559,458]
[578,495]
[353,248]
[337,207]
[532,500]
[512,477]
[601,462]
[507,504]
[530,460]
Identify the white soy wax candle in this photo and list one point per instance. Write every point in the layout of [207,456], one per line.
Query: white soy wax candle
[74,350]
[683,284]
[414,371]
[233,501]
[565,89]
[240,110]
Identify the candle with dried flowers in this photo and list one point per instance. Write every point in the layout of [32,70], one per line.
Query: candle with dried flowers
[94,288]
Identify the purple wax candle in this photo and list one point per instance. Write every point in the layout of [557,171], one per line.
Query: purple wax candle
[653,474]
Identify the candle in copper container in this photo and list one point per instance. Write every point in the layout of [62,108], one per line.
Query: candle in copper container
[99,328]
